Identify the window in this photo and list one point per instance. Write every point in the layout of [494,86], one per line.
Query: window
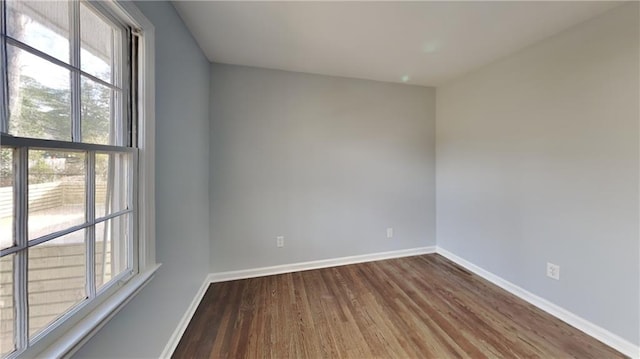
[76,163]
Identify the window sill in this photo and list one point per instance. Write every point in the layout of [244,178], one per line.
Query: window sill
[80,333]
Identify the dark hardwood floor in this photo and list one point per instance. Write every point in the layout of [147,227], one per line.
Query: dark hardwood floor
[415,307]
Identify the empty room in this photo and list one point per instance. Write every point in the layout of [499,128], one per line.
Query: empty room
[319,179]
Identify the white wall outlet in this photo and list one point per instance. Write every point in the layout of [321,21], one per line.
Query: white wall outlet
[553,271]
[389,232]
[280,241]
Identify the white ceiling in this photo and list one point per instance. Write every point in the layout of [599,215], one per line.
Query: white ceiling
[424,43]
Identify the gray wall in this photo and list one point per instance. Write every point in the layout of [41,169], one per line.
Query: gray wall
[327,162]
[143,327]
[537,161]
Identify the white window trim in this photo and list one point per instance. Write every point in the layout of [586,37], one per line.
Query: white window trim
[76,332]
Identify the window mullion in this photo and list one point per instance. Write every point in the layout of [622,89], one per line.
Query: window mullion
[20,272]
[90,232]
[135,246]
[76,98]
[116,128]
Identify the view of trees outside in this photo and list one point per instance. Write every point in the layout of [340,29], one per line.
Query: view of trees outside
[40,97]
[39,91]
[44,112]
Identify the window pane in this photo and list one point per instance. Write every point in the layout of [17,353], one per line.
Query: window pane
[43,25]
[6,198]
[99,39]
[112,248]
[7,341]
[113,180]
[56,191]
[56,278]
[39,97]
[98,115]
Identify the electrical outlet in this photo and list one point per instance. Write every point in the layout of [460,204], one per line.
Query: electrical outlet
[553,271]
[280,241]
[389,232]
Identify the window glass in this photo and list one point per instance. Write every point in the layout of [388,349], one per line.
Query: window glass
[7,315]
[98,116]
[111,250]
[99,40]
[57,181]
[39,97]
[6,198]
[113,181]
[56,278]
[43,25]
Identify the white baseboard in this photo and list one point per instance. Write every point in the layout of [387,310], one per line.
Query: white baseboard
[324,263]
[599,333]
[172,344]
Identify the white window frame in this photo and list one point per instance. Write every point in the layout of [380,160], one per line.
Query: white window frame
[67,336]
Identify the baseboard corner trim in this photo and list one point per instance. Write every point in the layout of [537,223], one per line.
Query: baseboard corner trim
[323,263]
[174,340]
[620,344]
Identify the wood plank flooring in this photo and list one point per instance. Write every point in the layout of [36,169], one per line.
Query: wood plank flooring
[415,307]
